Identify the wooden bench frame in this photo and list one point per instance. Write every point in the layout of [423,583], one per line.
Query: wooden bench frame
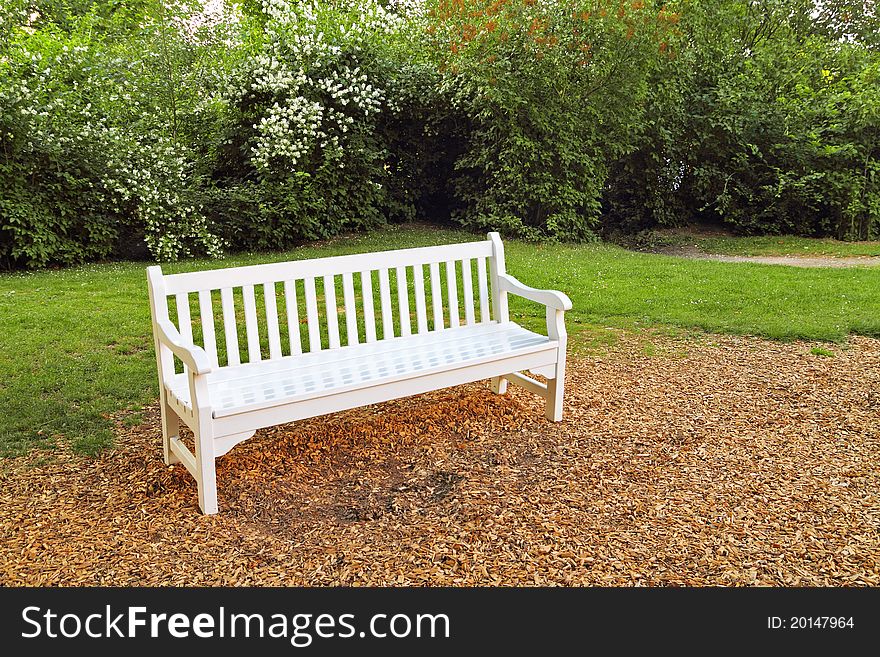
[185,397]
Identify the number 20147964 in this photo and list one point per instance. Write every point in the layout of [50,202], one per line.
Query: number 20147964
[811,623]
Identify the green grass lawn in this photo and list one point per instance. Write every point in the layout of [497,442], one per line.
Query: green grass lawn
[783,245]
[76,343]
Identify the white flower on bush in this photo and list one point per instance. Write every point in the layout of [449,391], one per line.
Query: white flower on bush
[286,132]
[309,72]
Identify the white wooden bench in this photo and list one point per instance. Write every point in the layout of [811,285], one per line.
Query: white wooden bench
[456,335]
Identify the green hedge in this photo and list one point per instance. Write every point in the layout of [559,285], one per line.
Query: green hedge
[159,129]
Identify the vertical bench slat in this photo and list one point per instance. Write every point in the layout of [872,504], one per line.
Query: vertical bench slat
[206,316]
[385,300]
[250,324]
[332,312]
[403,302]
[184,321]
[227,302]
[419,290]
[272,320]
[351,324]
[452,289]
[436,296]
[312,314]
[468,287]
[292,310]
[367,298]
[484,290]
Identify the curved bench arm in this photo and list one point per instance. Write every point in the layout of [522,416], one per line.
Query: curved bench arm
[195,357]
[549,298]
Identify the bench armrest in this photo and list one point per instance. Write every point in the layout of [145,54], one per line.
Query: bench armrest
[549,298]
[193,356]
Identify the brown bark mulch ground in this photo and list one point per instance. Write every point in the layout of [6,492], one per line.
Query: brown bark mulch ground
[722,460]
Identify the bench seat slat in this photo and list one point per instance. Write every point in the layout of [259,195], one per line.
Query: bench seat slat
[248,387]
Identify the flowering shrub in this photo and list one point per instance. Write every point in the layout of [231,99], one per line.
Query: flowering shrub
[169,128]
[87,169]
[304,148]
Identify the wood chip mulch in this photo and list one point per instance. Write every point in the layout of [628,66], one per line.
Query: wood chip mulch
[717,460]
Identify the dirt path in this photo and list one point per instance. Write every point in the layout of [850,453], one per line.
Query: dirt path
[723,461]
[693,252]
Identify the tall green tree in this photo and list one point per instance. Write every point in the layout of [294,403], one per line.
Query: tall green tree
[764,121]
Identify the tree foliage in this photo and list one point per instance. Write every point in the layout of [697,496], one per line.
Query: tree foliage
[765,121]
[171,128]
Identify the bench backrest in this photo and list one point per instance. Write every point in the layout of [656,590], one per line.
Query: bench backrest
[280,310]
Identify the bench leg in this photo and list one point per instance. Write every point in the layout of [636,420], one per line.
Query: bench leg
[206,465]
[170,430]
[498,385]
[555,390]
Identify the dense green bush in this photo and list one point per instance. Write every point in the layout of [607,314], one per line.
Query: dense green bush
[547,94]
[796,159]
[94,161]
[305,149]
[168,128]
[765,122]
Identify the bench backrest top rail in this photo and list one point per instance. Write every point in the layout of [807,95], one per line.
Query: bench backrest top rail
[214,279]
